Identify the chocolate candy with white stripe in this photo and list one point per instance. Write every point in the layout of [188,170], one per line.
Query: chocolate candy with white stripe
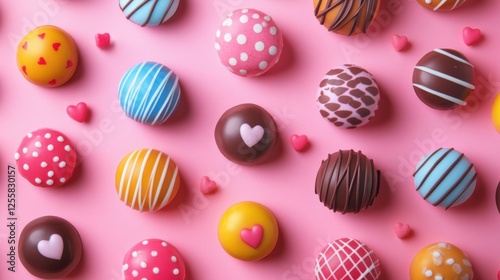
[443,79]
[441,5]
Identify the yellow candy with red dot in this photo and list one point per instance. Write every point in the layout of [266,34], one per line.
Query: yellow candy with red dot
[495,113]
[47,56]
[248,231]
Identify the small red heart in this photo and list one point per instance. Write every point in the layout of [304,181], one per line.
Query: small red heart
[79,113]
[24,70]
[69,63]
[402,230]
[102,40]
[41,61]
[299,142]
[207,186]
[52,82]
[25,45]
[56,46]
[498,275]
[471,35]
[41,36]
[399,42]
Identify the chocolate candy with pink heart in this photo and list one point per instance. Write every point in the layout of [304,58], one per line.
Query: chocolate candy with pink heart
[50,247]
[246,134]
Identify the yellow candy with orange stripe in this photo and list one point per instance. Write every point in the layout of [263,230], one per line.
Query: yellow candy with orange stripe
[248,231]
[495,113]
[47,56]
[147,180]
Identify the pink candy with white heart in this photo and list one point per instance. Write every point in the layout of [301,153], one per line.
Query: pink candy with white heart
[153,259]
[46,158]
[248,42]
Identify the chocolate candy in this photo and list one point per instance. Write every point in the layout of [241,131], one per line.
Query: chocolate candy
[348,96]
[445,177]
[246,134]
[346,17]
[347,182]
[441,5]
[50,247]
[443,79]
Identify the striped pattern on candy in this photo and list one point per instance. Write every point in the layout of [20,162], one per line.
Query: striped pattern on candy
[446,75]
[147,179]
[346,16]
[149,12]
[347,259]
[149,93]
[445,178]
[441,5]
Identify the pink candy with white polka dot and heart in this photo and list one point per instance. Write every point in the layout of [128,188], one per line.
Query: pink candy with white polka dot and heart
[46,158]
[249,43]
[153,259]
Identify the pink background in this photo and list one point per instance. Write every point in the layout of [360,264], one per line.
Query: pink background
[401,132]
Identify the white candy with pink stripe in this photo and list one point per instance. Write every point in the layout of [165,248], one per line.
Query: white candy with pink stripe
[248,43]
[347,259]
[153,259]
[46,158]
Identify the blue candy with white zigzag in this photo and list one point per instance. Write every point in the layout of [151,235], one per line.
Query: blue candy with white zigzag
[149,93]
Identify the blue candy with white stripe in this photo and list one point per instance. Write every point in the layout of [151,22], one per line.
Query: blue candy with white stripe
[149,12]
[149,93]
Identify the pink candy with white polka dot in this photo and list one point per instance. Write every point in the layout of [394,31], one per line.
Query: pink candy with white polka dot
[46,158]
[153,259]
[249,43]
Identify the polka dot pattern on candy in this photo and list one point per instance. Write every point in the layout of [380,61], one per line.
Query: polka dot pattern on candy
[153,259]
[248,42]
[46,158]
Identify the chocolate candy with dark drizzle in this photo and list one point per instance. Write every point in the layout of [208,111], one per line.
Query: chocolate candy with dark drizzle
[360,17]
[151,10]
[347,182]
[443,176]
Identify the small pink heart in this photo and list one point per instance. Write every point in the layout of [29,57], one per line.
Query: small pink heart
[299,142]
[399,42]
[79,113]
[471,35]
[102,40]
[207,186]
[402,230]
[498,275]
[252,237]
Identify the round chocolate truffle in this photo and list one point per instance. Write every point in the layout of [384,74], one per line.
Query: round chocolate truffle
[347,182]
[348,96]
[445,178]
[441,5]
[443,79]
[50,247]
[346,17]
[246,134]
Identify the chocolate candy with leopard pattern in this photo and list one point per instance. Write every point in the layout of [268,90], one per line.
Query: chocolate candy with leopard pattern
[348,96]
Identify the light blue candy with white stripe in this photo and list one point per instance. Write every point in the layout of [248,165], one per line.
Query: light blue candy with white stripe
[149,93]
